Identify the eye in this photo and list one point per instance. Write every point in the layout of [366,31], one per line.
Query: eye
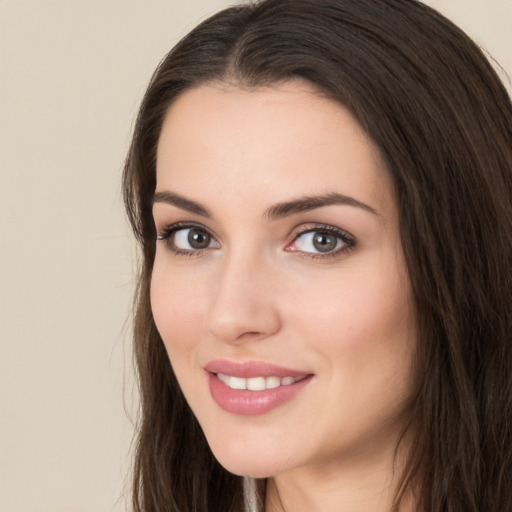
[318,241]
[187,239]
[192,238]
[322,241]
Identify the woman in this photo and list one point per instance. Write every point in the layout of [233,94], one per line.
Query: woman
[322,194]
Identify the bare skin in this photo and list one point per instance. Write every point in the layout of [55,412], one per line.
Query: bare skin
[302,267]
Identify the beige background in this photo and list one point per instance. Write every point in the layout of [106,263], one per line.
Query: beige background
[71,76]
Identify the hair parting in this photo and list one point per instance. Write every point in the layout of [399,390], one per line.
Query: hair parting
[431,101]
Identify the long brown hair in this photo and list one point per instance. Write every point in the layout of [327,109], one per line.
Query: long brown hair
[428,97]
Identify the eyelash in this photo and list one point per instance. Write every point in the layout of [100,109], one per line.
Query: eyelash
[344,236]
[169,231]
[349,241]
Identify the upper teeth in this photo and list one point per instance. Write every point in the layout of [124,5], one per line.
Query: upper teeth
[256,383]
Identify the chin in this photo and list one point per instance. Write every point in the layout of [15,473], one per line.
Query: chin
[247,468]
[248,459]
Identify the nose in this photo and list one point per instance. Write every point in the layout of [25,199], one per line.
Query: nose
[243,306]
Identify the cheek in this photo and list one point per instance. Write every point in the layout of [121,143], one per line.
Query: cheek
[362,305]
[363,328]
[364,338]
[177,308]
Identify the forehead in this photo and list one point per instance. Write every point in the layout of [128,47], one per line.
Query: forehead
[279,141]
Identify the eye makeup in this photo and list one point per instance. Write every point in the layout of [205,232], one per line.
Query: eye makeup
[310,241]
[198,239]
[322,236]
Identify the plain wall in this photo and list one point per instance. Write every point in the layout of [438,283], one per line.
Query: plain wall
[71,76]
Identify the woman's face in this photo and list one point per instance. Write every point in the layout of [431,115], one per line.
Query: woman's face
[279,269]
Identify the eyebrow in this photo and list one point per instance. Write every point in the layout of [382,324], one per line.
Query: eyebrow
[307,203]
[181,202]
[275,212]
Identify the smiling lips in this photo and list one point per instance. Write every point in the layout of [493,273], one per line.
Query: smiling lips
[257,383]
[254,387]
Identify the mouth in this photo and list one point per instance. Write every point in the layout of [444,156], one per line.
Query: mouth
[253,388]
[258,383]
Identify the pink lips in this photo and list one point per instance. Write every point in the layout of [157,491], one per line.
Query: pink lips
[246,402]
